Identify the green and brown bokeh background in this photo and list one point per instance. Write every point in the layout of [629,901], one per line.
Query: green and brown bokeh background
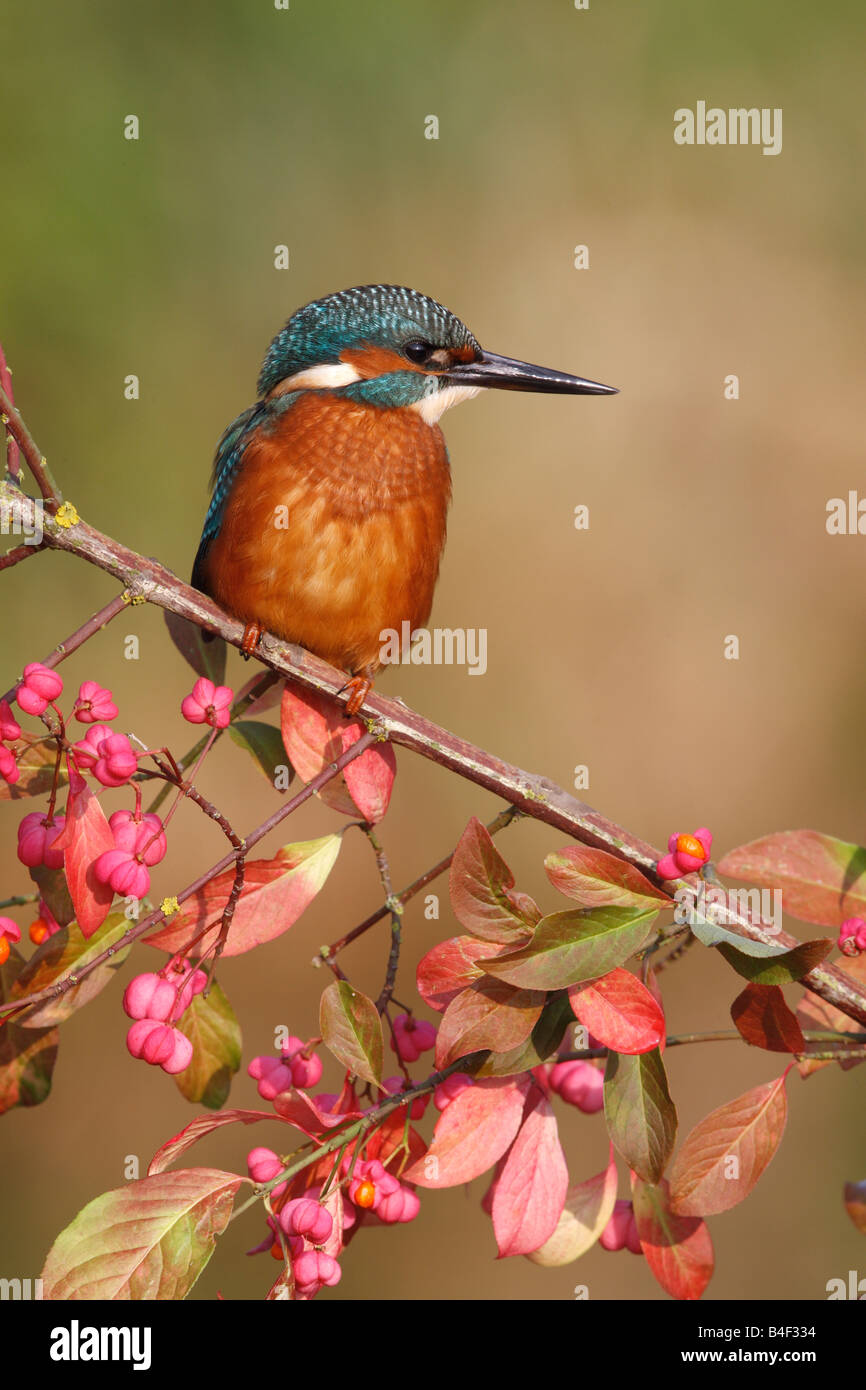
[306,127]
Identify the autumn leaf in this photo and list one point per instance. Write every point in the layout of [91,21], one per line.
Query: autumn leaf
[315,733]
[211,1026]
[150,1239]
[763,1019]
[472,1133]
[85,835]
[489,1014]
[482,890]
[678,1249]
[595,878]
[588,1208]
[275,894]
[620,1012]
[722,1158]
[821,878]
[531,1188]
[35,772]
[450,967]
[352,1029]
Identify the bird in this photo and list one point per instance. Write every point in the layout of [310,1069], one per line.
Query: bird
[329,495]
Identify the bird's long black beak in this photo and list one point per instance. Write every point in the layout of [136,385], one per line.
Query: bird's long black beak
[507,374]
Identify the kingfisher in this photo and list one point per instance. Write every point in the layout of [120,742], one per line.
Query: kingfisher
[329,498]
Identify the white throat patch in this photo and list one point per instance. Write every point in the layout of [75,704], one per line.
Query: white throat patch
[324,375]
[432,407]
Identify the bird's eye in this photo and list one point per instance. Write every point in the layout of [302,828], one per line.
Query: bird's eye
[417,350]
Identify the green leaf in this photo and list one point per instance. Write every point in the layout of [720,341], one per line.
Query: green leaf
[148,1240]
[568,947]
[714,934]
[212,1028]
[782,968]
[641,1117]
[352,1029]
[69,951]
[265,744]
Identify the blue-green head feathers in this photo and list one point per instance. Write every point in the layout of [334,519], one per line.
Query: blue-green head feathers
[389,316]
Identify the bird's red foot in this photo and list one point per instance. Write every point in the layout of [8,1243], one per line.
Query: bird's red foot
[253,633]
[360,686]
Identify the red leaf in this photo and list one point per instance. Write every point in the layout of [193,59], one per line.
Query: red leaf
[678,1249]
[480,884]
[475,1130]
[489,1015]
[202,1125]
[84,837]
[530,1191]
[815,1013]
[315,732]
[764,1019]
[588,1208]
[370,777]
[723,1157]
[822,878]
[595,878]
[302,1111]
[275,893]
[619,1011]
[449,968]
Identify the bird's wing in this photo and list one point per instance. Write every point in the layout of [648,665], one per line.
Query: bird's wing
[227,462]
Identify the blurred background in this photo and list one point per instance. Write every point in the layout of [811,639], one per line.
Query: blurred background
[306,127]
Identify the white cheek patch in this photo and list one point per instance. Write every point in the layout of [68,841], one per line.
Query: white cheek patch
[325,375]
[432,407]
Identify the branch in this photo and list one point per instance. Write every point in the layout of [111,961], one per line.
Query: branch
[536,796]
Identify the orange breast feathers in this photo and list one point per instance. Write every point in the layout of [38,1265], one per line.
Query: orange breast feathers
[334,528]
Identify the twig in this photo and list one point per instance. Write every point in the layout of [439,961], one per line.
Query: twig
[19,553]
[32,457]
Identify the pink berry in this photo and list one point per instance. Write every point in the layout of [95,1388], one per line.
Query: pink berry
[306,1217]
[9,726]
[313,1269]
[38,688]
[208,704]
[615,1233]
[402,1205]
[36,836]
[852,936]
[9,770]
[450,1088]
[94,704]
[116,761]
[86,751]
[411,1037]
[9,929]
[579,1083]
